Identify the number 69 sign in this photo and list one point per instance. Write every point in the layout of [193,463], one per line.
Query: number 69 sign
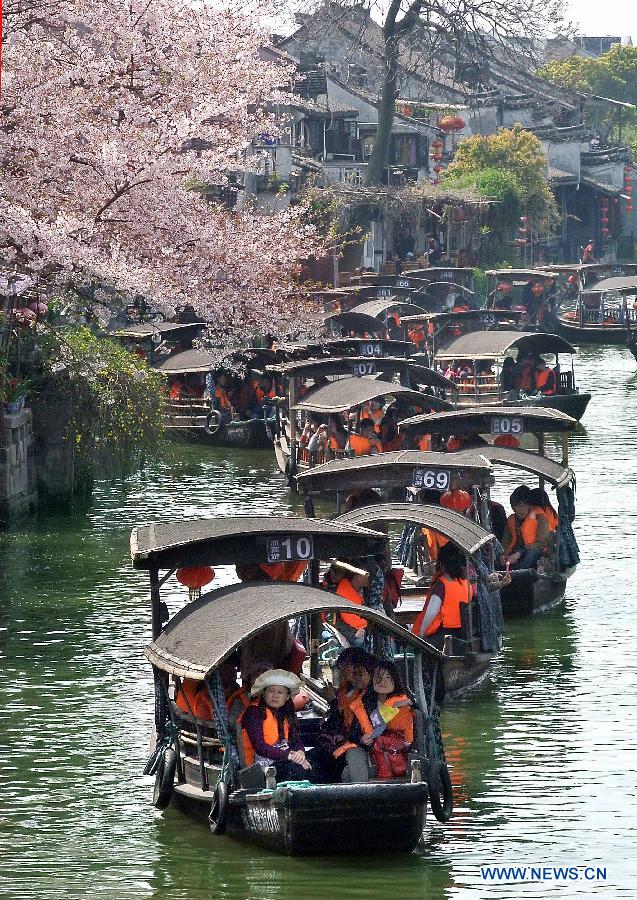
[435,479]
[288,547]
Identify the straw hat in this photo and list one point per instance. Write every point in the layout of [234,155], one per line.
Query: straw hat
[279,677]
[347,569]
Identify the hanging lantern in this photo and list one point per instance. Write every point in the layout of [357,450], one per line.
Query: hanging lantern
[628,209]
[39,308]
[604,220]
[25,316]
[522,229]
[406,110]
[451,123]
[616,200]
[604,231]
[537,289]
[504,287]
[456,499]
[437,144]
[194,578]
[520,242]
[437,169]
[573,280]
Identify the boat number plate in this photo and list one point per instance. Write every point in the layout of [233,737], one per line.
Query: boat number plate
[383,292]
[288,547]
[364,368]
[402,283]
[507,425]
[438,479]
[371,349]
[487,319]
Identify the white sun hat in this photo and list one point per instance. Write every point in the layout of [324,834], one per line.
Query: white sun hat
[279,677]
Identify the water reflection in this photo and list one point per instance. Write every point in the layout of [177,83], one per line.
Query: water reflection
[544,768]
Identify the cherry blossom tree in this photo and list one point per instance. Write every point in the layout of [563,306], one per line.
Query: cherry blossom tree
[112,113]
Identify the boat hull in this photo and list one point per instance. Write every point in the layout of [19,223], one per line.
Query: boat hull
[533,592]
[573,405]
[590,334]
[335,819]
[250,435]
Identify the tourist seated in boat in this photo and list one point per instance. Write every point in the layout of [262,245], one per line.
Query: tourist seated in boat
[382,729]
[450,588]
[545,378]
[366,443]
[528,534]
[457,442]
[276,643]
[337,436]
[192,697]
[390,437]
[239,700]
[526,376]
[374,412]
[176,386]
[318,444]
[221,397]
[540,498]
[498,517]
[350,582]
[268,726]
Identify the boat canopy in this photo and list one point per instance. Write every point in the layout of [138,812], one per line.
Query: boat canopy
[480,419]
[345,345]
[164,329]
[222,541]
[384,305]
[189,361]
[485,316]
[397,468]
[496,345]
[441,273]
[205,632]
[521,273]
[553,472]
[436,287]
[385,365]
[355,321]
[465,534]
[348,393]
[625,284]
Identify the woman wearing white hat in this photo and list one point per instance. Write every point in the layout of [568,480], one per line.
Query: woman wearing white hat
[268,726]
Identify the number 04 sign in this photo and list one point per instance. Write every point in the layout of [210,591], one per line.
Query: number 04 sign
[288,547]
[436,479]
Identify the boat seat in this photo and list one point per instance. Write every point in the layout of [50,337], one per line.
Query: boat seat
[185,721]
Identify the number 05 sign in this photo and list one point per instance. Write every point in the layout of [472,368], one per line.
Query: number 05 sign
[436,479]
[288,547]
[507,425]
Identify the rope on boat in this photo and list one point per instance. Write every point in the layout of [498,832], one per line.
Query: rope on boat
[220,718]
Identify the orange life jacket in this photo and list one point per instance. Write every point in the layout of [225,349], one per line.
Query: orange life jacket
[222,396]
[416,335]
[545,382]
[402,722]
[551,517]
[348,592]
[454,443]
[526,377]
[284,571]
[457,591]
[435,541]
[175,391]
[525,532]
[270,733]
[359,445]
[193,698]
[240,694]
[335,444]
[424,442]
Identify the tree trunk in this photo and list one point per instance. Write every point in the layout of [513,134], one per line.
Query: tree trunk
[380,153]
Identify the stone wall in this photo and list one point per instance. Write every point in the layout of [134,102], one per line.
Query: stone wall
[18,489]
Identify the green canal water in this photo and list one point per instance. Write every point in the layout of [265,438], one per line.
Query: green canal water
[544,760]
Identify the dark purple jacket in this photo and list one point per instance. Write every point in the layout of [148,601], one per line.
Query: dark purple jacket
[253,724]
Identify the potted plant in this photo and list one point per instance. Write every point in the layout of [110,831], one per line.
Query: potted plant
[13,392]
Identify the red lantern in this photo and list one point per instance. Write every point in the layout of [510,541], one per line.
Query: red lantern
[451,123]
[437,169]
[604,231]
[456,499]
[628,209]
[572,279]
[437,144]
[537,289]
[604,220]
[406,110]
[504,287]
[194,578]
[520,242]
[40,309]
[25,316]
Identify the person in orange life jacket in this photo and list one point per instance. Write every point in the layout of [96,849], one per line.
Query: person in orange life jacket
[526,381]
[391,438]
[239,700]
[461,441]
[541,498]
[175,389]
[441,614]
[275,642]
[382,726]
[354,668]
[192,697]
[528,533]
[350,586]
[545,380]
[337,436]
[221,398]
[366,443]
[270,736]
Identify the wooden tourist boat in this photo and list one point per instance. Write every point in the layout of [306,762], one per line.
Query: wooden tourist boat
[393,475]
[531,292]
[603,313]
[530,591]
[195,419]
[199,764]
[492,348]
[437,329]
[347,395]
[149,339]
[369,319]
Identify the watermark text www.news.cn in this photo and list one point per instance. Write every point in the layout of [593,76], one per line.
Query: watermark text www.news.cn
[543,873]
